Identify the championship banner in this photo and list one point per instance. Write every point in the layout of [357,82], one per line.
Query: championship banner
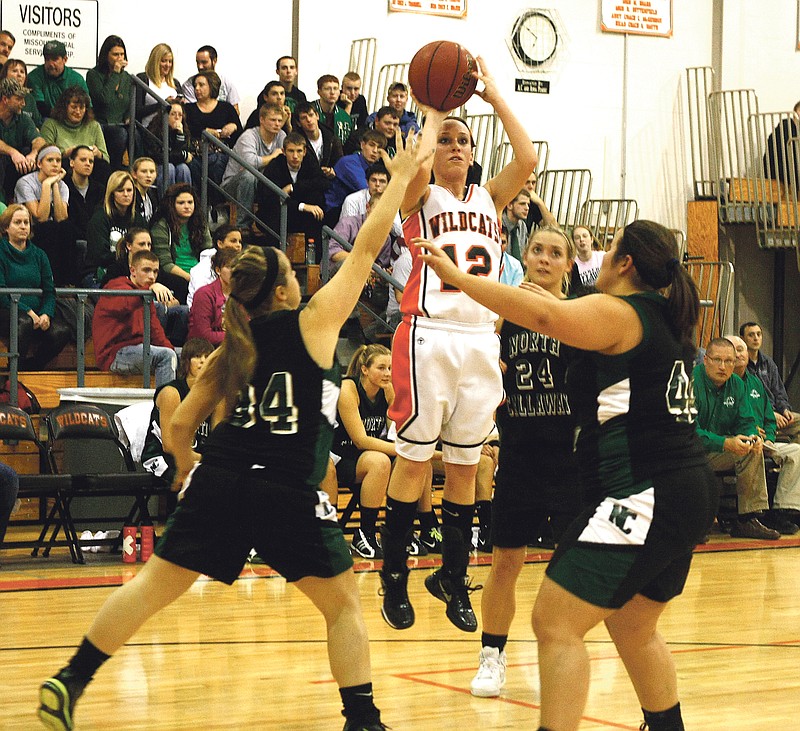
[447,8]
[641,17]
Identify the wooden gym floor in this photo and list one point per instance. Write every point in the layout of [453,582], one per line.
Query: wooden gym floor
[253,656]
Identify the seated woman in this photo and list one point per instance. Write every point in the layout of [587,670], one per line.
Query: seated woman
[173,316]
[158,76]
[179,235]
[22,264]
[71,123]
[179,143]
[17,70]
[156,457]
[226,236]
[108,225]
[110,89]
[208,304]
[143,172]
[360,438]
[209,114]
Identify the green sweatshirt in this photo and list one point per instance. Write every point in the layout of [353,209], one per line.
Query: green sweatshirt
[763,412]
[721,412]
[31,269]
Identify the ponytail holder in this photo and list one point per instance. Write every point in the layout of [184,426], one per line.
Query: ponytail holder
[672,265]
[271,255]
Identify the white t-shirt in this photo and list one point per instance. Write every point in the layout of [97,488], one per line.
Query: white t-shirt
[589,270]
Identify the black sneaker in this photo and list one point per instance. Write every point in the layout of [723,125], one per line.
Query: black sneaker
[396,608]
[455,593]
[356,726]
[57,698]
[415,546]
[432,540]
[366,545]
[778,521]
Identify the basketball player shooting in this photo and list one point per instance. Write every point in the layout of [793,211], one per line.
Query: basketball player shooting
[445,356]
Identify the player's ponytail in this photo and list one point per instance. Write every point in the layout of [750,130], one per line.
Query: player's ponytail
[363,356]
[654,252]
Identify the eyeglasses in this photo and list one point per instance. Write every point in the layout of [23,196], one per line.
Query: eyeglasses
[727,362]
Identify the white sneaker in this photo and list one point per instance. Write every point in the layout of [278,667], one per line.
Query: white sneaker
[87,535]
[100,535]
[491,675]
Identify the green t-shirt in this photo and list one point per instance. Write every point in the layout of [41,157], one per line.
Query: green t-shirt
[184,258]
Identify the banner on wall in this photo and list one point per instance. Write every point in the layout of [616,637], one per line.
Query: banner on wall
[73,22]
[642,17]
[448,8]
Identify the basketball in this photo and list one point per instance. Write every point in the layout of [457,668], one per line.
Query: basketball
[440,75]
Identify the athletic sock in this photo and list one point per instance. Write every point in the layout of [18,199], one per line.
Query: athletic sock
[399,517]
[459,516]
[369,517]
[358,704]
[669,720]
[86,660]
[498,641]
[427,520]
[483,509]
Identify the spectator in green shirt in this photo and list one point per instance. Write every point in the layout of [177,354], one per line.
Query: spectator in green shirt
[50,80]
[20,141]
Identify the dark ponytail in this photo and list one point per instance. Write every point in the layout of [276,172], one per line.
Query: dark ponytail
[654,252]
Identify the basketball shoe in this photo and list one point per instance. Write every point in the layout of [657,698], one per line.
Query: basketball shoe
[491,675]
[57,697]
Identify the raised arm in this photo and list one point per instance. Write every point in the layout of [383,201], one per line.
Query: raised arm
[328,309]
[426,142]
[504,186]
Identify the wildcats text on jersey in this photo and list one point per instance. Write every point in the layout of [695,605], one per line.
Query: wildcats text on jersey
[448,221]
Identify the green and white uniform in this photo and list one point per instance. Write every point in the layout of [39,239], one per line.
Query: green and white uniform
[257,485]
[642,466]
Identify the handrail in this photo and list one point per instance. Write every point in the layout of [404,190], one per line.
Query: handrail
[133,122]
[208,139]
[13,355]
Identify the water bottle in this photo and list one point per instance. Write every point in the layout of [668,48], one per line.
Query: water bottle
[148,538]
[128,543]
[311,252]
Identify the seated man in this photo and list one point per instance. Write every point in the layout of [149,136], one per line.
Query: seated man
[202,273]
[385,120]
[336,119]
[355,204]
[286,69]
[514,225]
[50,80]
[259,147]
[352,100]
[779,159]
[397,97]
[321,140]
[786,505]
[118,326]
[764,367]
[298,174]
[728,430]
[351,173]
[538,213]
[272,93]
[45,194]
[20,141]
[206,60]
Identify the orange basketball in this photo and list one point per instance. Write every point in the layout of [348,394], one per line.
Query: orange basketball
[440,75]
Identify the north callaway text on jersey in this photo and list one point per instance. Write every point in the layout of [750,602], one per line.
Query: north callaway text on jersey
[537,404]
[527,341]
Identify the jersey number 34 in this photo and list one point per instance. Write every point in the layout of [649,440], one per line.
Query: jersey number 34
[276,407]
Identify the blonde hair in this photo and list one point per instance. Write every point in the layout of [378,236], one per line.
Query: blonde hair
[570,246]
[116,181]
[152,68]
[365,356]
[233,363]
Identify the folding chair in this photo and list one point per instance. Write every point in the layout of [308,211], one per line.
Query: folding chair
[17,426]
[90,423]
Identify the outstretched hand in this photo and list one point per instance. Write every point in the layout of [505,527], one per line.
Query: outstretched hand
[489,92]
[437,260]
[407,159]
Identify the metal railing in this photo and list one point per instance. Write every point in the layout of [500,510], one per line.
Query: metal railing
[564,193]
[13,354]
[135,125]
[605,216]
[714,280]
[504,153]
[206,141]
[699,84]
[487,131]
[362,61]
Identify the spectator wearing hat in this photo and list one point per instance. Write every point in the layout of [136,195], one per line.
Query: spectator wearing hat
[50,80]
[20,141]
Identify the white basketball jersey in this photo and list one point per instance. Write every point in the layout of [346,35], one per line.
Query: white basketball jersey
[469,233]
